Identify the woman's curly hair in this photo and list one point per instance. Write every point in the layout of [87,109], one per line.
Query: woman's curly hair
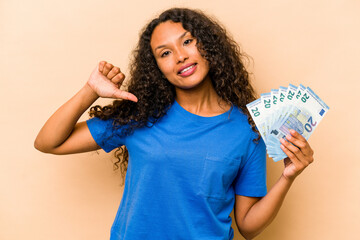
[155,94]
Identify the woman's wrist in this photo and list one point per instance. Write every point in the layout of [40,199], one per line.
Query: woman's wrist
[91,94]
[288,180]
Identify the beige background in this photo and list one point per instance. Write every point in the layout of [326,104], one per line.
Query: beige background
[49,48]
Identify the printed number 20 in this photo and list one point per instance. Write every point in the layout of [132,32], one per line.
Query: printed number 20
[256,112]
[310,124]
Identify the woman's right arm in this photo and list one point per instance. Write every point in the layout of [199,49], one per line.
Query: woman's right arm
[62,133]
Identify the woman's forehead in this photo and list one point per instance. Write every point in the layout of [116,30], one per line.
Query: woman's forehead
[166,32]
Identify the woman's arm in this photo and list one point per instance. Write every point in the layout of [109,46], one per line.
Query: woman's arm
[61,134]
[253,215]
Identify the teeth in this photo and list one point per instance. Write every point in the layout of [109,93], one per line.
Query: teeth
[186,69]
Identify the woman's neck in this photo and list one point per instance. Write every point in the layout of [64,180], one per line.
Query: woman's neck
[202,100]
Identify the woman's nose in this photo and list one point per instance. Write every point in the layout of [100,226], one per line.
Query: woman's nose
[181,55]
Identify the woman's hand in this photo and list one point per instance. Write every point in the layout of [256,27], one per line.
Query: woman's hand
[106,81]
[299,153]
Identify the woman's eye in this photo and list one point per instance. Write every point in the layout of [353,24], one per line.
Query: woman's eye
[187,41]
[164,54]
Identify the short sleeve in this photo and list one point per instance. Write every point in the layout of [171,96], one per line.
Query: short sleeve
[104,135]
[251,178]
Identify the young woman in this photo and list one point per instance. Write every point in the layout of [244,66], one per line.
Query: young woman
[192,151]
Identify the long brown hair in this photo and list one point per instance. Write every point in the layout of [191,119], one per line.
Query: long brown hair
[227,72]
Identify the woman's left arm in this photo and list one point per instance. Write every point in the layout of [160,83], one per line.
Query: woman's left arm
[253,215]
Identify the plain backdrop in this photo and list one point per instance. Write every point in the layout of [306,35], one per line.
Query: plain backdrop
[49,48]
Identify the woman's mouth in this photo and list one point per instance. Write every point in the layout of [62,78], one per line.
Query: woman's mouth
[187,70]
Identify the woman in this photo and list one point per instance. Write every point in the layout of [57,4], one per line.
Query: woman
[192,149]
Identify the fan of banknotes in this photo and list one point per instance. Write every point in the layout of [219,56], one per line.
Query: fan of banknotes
[282,109]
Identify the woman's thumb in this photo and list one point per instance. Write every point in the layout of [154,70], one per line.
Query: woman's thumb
[125,95]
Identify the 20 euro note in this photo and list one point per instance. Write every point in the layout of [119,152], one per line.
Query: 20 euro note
[256,109]
[304,116]
[297,108]
[292,95]
[267,110]
[287,97]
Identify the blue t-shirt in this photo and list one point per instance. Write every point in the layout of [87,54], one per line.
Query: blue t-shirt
[183,174]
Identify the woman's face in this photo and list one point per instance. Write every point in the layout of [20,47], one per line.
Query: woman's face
[177,56]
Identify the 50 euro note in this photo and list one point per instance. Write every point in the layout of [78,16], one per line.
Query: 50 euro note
[304,116]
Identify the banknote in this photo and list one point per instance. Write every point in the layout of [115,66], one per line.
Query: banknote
[275,105]
[266,101]
[282,109]
[256,110]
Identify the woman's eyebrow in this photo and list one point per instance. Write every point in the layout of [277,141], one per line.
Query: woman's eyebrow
[162,46]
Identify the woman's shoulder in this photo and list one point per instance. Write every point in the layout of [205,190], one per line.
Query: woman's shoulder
[238,114]
[240,122]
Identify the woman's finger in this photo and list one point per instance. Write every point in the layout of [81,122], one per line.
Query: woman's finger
[297,163]
[293,149]
[118,79]
[107,68]
[299,153]
[299,141]
[124,95]
[101,66]
[113,72]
